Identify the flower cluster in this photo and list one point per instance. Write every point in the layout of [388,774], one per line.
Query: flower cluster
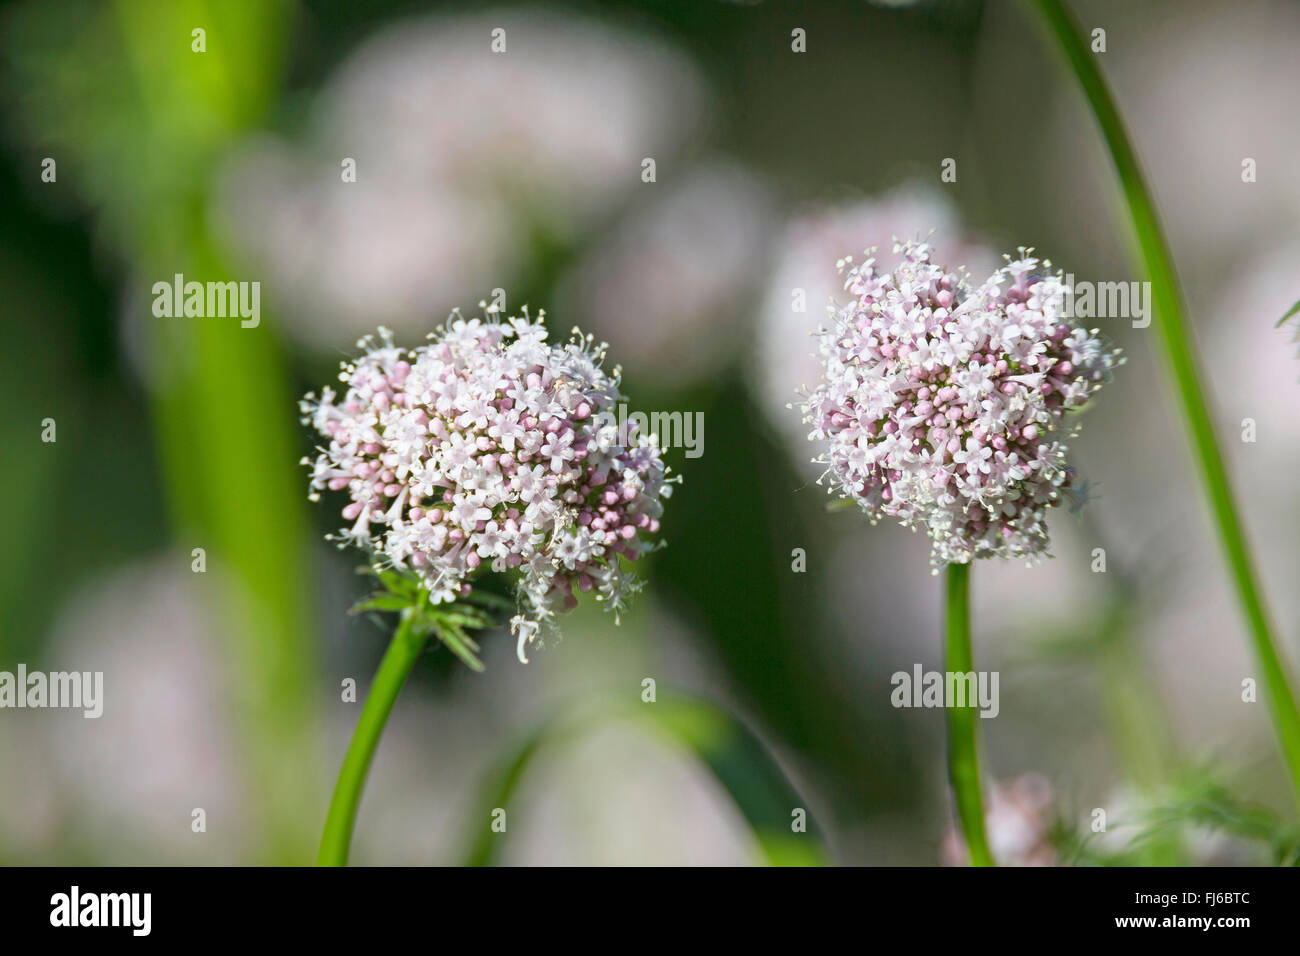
[942,405]
[489,446]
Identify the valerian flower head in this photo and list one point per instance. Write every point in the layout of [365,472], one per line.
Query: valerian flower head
[490,447]
[944,405]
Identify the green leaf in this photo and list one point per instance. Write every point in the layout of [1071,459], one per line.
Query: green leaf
[459,645]
[381,602]
[1197,802]
[449,623]
[738,759]
[1290,312]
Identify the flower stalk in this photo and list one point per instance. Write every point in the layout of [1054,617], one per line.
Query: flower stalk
[963,749]
[399,660]
[1184,369]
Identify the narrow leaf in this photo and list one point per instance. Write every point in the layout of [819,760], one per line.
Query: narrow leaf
[1290,312]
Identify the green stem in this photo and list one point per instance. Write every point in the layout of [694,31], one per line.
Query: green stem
[399,660]
[963,750]
[1182,364]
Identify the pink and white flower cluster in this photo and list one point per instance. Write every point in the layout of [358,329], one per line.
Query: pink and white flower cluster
[490,447]
[943,405]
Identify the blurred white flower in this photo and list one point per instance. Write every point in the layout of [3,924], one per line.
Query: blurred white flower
[464,156]
[132,777]
[345,257]
[804,281]
[581,802]
[1202,93]
[562,119]
[1018,817]
[1254,364]
[668,288]
[32,810]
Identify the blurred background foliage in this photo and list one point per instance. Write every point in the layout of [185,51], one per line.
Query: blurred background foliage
[522,171]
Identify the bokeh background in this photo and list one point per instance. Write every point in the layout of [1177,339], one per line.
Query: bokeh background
[522,171]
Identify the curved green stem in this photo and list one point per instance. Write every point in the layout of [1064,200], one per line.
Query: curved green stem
[963,749]
[1181,361]
[399,660]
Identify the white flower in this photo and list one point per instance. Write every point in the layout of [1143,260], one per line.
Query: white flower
[961,441]
[489,453]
